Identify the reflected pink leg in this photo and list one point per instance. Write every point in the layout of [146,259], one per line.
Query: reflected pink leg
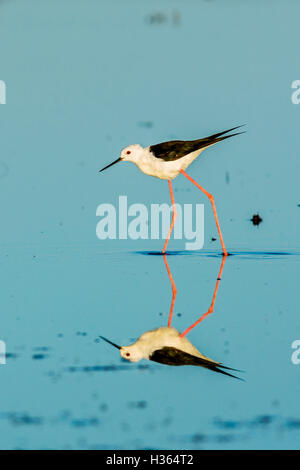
[174,291]
[211,308]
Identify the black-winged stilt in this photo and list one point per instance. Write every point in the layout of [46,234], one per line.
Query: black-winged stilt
[167,159]
[166,346]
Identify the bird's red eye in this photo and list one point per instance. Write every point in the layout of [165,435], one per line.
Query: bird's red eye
[128,152]
[127,354]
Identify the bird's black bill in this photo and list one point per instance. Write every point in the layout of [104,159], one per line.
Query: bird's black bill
[111,164]
[110,342]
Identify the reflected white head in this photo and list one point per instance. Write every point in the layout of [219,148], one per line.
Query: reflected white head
[131,353]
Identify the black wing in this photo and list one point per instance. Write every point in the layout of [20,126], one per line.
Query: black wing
[175,357]
[175,149]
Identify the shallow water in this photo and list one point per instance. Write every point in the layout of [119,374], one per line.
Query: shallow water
[82,82]
[63,387]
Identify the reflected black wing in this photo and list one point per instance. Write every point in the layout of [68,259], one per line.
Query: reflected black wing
[175,149]
[175,357]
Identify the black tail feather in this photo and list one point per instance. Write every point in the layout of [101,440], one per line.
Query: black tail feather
[213,139]
[214,136]
[229,368]
[219,368]
[219,139]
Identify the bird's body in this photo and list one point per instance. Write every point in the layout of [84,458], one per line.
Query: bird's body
[157,339]
[151,165]
[167,159]
[166,346]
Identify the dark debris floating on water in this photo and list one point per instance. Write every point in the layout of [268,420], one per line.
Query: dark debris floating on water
[256,219]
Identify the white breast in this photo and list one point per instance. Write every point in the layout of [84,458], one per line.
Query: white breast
[166,336]
[150,165]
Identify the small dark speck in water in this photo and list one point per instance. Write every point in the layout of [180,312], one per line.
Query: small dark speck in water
[11,356]
[156,18]
[81,333]
[160,18]
[213,239]
[20,419]
[256,219]
[225,438]
[103,407]
[227,424]
[82,423]
[198,438]
[146,124]
[108,368]
[143,366]
[39,357]
[141,404]
[263,420]
[179,314]
[167,421]
[293,423]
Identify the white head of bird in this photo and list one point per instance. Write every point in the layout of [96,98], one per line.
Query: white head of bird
[132,153]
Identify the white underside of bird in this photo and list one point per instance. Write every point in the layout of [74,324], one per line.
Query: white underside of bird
[153,166]
[157,339]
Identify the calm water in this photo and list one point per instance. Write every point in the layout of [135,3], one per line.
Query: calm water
[83,80]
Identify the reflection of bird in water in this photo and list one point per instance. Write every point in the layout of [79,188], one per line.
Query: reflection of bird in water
[167,346]
[167,159]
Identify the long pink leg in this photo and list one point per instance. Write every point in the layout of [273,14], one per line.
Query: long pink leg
[174,291]
[173,217]
[211,198]
[211,308]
